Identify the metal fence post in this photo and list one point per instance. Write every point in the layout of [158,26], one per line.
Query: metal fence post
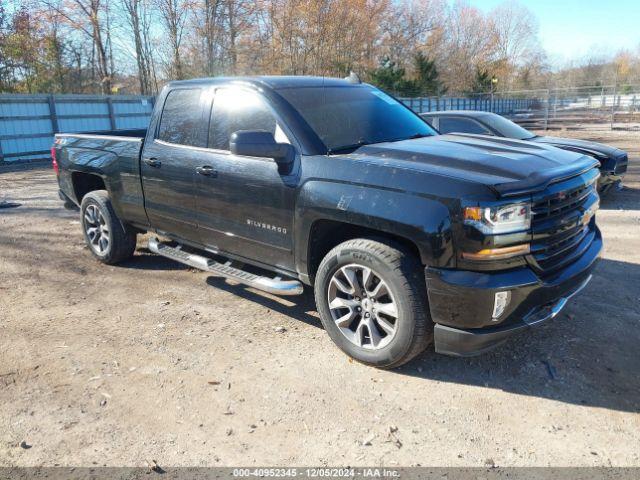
[613,106]
[53,115]
[1,155]
[112,118]
[546,112]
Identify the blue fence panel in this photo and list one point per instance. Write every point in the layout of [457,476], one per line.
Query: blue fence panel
[126,123]
[28,122]
[86,124]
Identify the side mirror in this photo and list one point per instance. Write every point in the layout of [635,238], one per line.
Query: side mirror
[259,143]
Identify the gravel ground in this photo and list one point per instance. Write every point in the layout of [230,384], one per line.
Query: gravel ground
[152,360]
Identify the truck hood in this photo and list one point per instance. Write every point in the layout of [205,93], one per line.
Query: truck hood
[582,146]
[509,167]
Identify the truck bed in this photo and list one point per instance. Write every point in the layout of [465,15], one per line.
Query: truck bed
[114,158]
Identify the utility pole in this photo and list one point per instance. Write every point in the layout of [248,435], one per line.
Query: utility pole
[613,100]
[494,82]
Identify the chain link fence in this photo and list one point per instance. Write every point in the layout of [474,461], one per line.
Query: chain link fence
[609,107]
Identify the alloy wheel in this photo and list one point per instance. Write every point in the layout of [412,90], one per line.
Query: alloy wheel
[362,306]
[97,230]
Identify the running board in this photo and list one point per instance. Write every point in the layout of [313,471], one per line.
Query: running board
[277,286]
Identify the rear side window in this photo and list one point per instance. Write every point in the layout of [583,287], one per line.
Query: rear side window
[181,120]
[237,109]
[461,125]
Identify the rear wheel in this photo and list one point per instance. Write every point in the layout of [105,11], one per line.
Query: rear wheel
[109,240]
[371,297]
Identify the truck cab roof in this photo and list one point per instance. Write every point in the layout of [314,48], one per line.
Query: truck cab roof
[268,81]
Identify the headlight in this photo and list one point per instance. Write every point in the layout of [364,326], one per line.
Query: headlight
[499,219]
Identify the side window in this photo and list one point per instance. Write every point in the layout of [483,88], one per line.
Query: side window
[181,120]
[461,125]
[237,109]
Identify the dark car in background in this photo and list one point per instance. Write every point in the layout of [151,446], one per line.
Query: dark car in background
[613,161]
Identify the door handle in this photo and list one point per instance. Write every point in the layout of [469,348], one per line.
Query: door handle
[207,171]
[152,162]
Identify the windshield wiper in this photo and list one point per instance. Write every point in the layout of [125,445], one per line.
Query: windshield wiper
[363,142]
[412,137]
[419,135]
[353,146]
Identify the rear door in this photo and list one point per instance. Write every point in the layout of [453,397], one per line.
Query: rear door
[245,205]
[169,162]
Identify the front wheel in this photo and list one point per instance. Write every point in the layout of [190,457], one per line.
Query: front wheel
[107,238]
[371,297]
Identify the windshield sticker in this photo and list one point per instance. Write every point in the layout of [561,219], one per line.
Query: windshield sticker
[344,202]
[384,97]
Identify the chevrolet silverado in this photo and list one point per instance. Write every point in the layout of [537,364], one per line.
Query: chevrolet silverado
[407,237]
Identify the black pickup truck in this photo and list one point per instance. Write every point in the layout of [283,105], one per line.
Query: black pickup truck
[408,237]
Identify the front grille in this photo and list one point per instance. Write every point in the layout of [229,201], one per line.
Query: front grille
[621,164]
[559,235]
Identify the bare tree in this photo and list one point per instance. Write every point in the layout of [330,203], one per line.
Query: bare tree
[88,17]
[410,25]
[43,44]
[136,15]
[211,31]
[174,15]
[514,30]
[465,46]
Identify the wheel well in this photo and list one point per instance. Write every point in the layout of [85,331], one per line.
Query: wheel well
[327,234]
[84,183]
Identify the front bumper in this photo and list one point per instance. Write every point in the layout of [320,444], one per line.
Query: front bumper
[461,302]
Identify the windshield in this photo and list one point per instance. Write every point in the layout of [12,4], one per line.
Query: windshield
[506,127]
[347,117]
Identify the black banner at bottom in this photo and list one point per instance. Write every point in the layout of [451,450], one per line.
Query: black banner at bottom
[241,473]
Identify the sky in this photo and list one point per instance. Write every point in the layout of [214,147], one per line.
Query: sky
[578,28]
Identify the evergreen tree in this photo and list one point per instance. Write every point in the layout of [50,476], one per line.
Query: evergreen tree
[389,76]
[481,82]
[427,78]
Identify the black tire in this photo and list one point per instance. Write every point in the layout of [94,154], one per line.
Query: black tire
[121,239]
[404,276]
[602,191]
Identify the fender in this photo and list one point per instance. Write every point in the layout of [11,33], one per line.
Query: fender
[421,220]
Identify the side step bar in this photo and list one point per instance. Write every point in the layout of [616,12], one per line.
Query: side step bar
[277,286]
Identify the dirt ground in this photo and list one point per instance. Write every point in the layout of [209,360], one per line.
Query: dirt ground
[152,360]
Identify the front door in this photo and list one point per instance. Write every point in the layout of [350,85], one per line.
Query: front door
[245,205]
[169,161]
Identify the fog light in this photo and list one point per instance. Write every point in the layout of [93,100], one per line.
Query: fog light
[500,303]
